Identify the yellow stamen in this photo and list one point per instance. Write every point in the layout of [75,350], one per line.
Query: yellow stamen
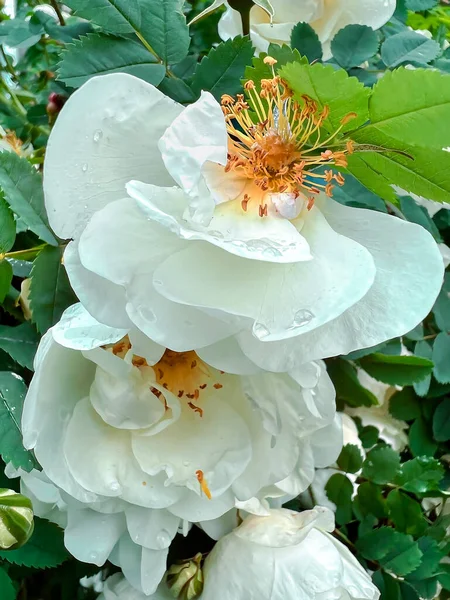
[203,485]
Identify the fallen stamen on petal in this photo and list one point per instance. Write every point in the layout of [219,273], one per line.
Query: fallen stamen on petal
[203,485]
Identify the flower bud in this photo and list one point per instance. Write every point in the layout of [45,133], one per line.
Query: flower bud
[185,580]
[16,519]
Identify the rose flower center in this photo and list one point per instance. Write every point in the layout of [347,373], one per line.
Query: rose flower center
[277,142]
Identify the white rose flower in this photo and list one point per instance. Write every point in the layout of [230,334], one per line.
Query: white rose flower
[326,17]
[392,431]
[245,256]
[140,441]
[285,555]
[117,588]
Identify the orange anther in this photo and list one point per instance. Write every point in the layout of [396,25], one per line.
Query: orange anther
[203,484]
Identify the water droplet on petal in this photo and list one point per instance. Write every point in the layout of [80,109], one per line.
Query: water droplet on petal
[98,134]
[271,252]
[115,486]
[186,463]
[93,556]
[163,539]
[302,318]
[260,331]
[84,168]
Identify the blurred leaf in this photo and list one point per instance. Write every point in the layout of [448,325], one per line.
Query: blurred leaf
[20,342]
[7,586]
[396,370]
[371,500]
[421,439]
[406,513]
[44,550]
[6,275]
[381,465]
[222,70]
[441,354]
[100,54]
[418,214]
[441,420]
[7,227]
[50,291]
[22,187]
[12,395]
[408,47]
[347,384]
[339,490]
[395,551]
[423,349]
[350,460]
[419,5]
[353,45]
[405,405]
[306,41]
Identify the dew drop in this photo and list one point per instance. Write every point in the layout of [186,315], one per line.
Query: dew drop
[302,318]
[186,463]
[84,168]
[98,134]
[163,539]
[93,556]
[148,314]
[260,331]
[271,252]
[114,486]
[158,282]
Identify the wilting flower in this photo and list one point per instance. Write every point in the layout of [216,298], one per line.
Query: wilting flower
[285,555]
[142,441]
[248,256]
[325,17]
[392,431]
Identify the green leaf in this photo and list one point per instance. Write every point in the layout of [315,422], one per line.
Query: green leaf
[22,187]
[353,45]
[424,350]
[20,343]
[441,354]
[396,370]
[371,500]
[282,54]
[388,586]
[223,68]
[6,275]
[405,405]
[44,550]
[381,465]
[419,5]
[306,41]
[7,227]
[432,556]
[353,193]
[395,551]
[350,460]
[441,309]
[421,440]
[328,87]
[418,214]
[406,513]
[6,586]
[161,25]
[347,384]
[50,291]
[12,395]
[99,54]
[339,490]
[422,104]
[408,47]
[441,421]
[369,436]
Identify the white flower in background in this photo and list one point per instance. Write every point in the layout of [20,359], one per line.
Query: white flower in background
[247,245]
[282,556]
[392,431]
[142,441]
[326,17]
